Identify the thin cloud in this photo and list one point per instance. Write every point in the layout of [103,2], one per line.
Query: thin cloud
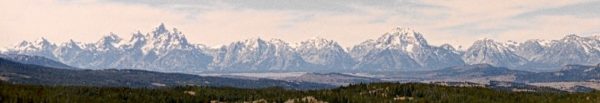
[585,9]
[216,22]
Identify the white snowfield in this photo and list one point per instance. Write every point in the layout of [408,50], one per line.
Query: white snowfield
[401,49]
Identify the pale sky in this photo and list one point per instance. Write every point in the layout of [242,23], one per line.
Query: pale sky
[217,22]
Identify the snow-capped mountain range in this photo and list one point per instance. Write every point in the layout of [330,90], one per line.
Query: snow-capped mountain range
[160,50]
[400,49]
[325,54]
[536,54]
[258,55]
[494,53]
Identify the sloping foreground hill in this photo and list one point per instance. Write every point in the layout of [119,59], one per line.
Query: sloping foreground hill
[18,73]
[568,73]
[360,93]
[35,60]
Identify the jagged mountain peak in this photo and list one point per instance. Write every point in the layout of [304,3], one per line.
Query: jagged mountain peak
[138,36]
[588,45]
[486,42]
[40,47]
[110,41]
[71,41]
[257,54]
[252,42]
[255,39]
[572,37]
[537,40]
[161,40]
[325,53]
[318,39]
[512,43]
[490,44]
[403,30]
[402,38]
[531,48]
[448,47]
[402,49]
[571,49]
[161,33]
[259,42]
[41,43]
[136,41]
[72,44]
[279,42]
[23,44]
[318,43]
[161,29]
[491,52]
[110,38]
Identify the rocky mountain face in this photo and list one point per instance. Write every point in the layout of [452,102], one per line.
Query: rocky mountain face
[41,47]
[535,54]
[168,50]
[402,49]
[491,52]
[161,50]
[531,48]
[258,55]
[325,54]
[571,49]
